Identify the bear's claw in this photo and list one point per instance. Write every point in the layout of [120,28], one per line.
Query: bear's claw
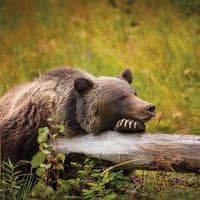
[129,125]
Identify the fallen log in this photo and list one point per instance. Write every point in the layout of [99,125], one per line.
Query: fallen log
[170,152]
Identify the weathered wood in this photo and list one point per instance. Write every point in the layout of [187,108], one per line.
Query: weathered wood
[138,151]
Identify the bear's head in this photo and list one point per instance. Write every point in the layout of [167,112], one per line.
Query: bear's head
[103,101]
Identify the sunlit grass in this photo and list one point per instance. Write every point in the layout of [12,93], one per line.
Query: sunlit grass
[155,39]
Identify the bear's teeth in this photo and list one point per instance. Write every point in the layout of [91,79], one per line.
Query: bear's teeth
[135,124]
[118,124]
[126,121]
[130,124]
[122,121]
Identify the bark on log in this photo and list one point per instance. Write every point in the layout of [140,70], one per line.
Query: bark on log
[138,151]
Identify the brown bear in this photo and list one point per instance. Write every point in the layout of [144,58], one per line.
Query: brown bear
[80,101]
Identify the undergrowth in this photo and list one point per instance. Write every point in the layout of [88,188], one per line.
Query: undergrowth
[53,176]
[14,185]
[92,181]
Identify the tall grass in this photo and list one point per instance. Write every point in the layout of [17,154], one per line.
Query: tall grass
[13,184]
[158,40]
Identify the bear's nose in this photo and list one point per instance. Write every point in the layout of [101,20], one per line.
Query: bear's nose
[151,109]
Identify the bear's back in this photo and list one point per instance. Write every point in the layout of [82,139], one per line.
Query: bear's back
[54,84]
[65,74]
[14,98]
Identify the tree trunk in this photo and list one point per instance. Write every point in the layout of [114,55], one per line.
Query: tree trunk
[138,151]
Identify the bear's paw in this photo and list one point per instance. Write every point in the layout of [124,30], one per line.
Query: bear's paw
[129,125]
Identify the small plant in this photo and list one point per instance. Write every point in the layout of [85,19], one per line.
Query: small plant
[13,184]
[90,182]
[89,179]
[47,164]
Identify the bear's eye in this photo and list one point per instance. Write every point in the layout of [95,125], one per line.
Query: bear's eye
[135,93]
[122,97]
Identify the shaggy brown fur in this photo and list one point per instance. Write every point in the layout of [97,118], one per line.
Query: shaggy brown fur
[83,103]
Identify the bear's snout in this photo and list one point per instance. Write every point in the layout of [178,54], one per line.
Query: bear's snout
[151,109]
[140,110]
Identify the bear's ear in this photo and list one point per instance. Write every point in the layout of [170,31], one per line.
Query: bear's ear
[127,75]
[82,85]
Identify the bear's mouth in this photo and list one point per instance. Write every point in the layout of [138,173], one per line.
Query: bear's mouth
[129,125]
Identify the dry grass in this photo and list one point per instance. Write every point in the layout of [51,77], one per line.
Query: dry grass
[156,39]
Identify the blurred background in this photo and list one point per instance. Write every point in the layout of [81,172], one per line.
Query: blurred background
[159,40]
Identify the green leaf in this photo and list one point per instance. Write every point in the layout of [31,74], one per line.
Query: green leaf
[61,128]
[74,164]
[45,148]
[58,166]
[64,186]
[46,166]
[41,190]
[53,136]
[41,172]
[38,189]
[60,157]
[107,178]
[43,135]
[37,159]
[110,197]
[46,152]
[48,191]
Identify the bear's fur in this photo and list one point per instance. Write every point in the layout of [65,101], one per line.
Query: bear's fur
[80,101]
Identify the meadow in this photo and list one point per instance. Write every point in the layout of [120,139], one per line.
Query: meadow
[159,40]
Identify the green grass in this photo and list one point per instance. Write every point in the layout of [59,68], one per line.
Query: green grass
[92,180]
[13,184]
[158,40]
